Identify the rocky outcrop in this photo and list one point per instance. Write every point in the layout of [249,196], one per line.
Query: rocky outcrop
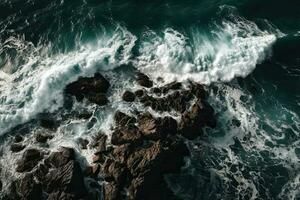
[93,89]
[131,165]
[128,96]
[144,80]
[30,159]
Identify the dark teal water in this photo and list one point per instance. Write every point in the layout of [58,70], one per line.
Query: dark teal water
[246,50]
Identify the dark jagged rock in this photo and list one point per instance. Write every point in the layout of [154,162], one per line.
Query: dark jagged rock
[111,191]
[48,123]
[114,171]
[67,179]
[165,89]
[99,99]
[177,101]
[139,93]
[200,115]
[155,129]
[84,86]
[60,158]
[17,147]
[148,166]
[30,159]
[122,119]
[18,139]
[100,143]
[43,137]
[93,88]
[83,143]
[126,135]
[25,188]
[144,80]
[128,96]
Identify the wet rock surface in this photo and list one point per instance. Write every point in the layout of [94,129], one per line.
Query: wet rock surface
[93,89]
[132,163]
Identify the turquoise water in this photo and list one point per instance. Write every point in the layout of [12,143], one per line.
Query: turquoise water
[246,51]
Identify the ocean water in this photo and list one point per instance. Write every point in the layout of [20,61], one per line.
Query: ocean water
[245,51]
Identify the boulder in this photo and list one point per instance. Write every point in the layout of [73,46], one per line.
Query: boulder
[126,135]
[200,115]
[60,158]
[85,86]
[18,139]
[83,143]
[17,147]
[30,159]
[156,128]
[67,179]
[98,98]
[114,171]
[48,123]
[111,191]
[43,137]
[128,96]
[144,80]
[121,119]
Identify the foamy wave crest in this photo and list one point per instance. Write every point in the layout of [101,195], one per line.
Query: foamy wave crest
[37,86]
[232,50]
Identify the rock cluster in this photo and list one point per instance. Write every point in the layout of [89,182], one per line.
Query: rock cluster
[93,89]
[131,165]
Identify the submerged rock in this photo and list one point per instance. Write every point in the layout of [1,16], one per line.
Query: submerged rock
[144,80]
[17,147]
[43,137]
[128,96]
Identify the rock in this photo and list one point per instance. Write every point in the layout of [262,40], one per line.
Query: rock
[114,171]
[200,115]
[84,115]
[126,135]
[61,195]
[41,172]
[30,159]
[100,143]
[83,143]
[1,185]
[111,191]
[177,101]
[67,179]
[144,80]
[43,137]
[60,158]
[128,96]
[139,93]
[155,129]
[167,88]
[141,188]
[121,119]
[85,86]
[121,153]
[148,166]
[99,99]
[48,123]
[24,188]
[18,139]
[17,147]
[98,158]
[198,90]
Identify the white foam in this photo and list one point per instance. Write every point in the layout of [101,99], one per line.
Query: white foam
[233,50]
[37,85]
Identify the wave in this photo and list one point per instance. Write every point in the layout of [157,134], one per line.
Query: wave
[232,49]
[229,49]
[37,86]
